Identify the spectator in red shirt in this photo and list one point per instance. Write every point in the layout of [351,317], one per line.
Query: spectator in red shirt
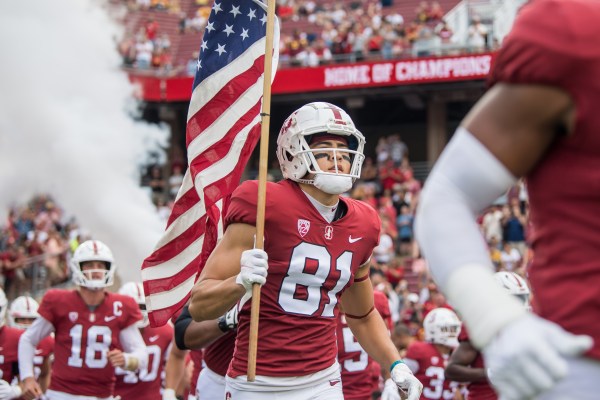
[389,175]
[151,28]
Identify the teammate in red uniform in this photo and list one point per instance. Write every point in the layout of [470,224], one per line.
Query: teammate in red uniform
[318,245]
[145,383]
[429,358]
[357,381]
[23,311]
[217,338]
[9,339]
[89,324]
[466,363]
[539,120]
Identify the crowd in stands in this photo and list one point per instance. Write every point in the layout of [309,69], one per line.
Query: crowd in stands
[35,242]
[355,31]
[313,33]
[147,49]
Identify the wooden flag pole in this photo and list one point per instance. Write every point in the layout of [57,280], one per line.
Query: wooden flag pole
[262,185]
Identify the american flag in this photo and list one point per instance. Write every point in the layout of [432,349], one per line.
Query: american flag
[223,127]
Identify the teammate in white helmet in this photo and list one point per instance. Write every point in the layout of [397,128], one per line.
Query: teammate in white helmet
[427,359]
[466,363]
[9,339]
[22,312]
[145,383]
[89,323]
[316,252]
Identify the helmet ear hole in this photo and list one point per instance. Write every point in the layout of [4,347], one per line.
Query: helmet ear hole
[289,156]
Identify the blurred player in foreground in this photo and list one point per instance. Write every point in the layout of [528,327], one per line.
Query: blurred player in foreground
[538,120]
[466,363]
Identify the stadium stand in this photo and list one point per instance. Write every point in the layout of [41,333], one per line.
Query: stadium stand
[184,25]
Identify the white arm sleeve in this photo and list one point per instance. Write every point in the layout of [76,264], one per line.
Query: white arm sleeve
[466,179]
[28,342]
[134,346]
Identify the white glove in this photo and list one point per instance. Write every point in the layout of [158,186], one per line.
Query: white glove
[390,391]
[8,392]
[169,394]
[406,381]
[253,268]
[527,357]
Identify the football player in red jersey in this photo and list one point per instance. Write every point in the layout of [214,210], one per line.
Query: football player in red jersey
[9,340]
[318,245]
[22,312]
[429,358]
[145,383]
[357,382]
[538,120]
[466,363]
[89,323]
[217,338]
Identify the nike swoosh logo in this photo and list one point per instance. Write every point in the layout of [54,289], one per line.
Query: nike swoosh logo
[153,338]
[108,319]
[333,383]
[353,240]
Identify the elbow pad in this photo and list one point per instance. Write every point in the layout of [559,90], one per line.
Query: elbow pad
[181,324]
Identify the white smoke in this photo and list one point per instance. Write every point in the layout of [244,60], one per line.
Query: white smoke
[64,128]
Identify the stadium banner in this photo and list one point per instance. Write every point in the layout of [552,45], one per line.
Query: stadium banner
[383,73]
[341,76]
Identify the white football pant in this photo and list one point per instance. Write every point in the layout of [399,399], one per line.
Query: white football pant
[322,385]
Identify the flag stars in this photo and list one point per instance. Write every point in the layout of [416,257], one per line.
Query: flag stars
[228,30]
[217,8]
[204,45]
[252,14]
[199,65]
[210,26]
[264,19]
[244,34]
[235,11]
[221,49]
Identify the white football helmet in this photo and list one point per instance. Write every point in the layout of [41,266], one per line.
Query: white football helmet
[22,307]
[296,157]
[3,307]
[442,326]
[515,285]
[136,291]
[93,250]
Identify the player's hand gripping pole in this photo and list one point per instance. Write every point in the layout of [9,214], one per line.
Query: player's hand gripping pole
[262,185]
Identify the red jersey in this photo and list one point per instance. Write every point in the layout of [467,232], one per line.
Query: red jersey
[83,339]
[219,353]
[554,43]
[9,359]
[146,383]
[477,390]
[358,370]
[44,350]
[431,371]
[311,263]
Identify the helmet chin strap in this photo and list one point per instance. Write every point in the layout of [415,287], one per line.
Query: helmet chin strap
[332,184]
